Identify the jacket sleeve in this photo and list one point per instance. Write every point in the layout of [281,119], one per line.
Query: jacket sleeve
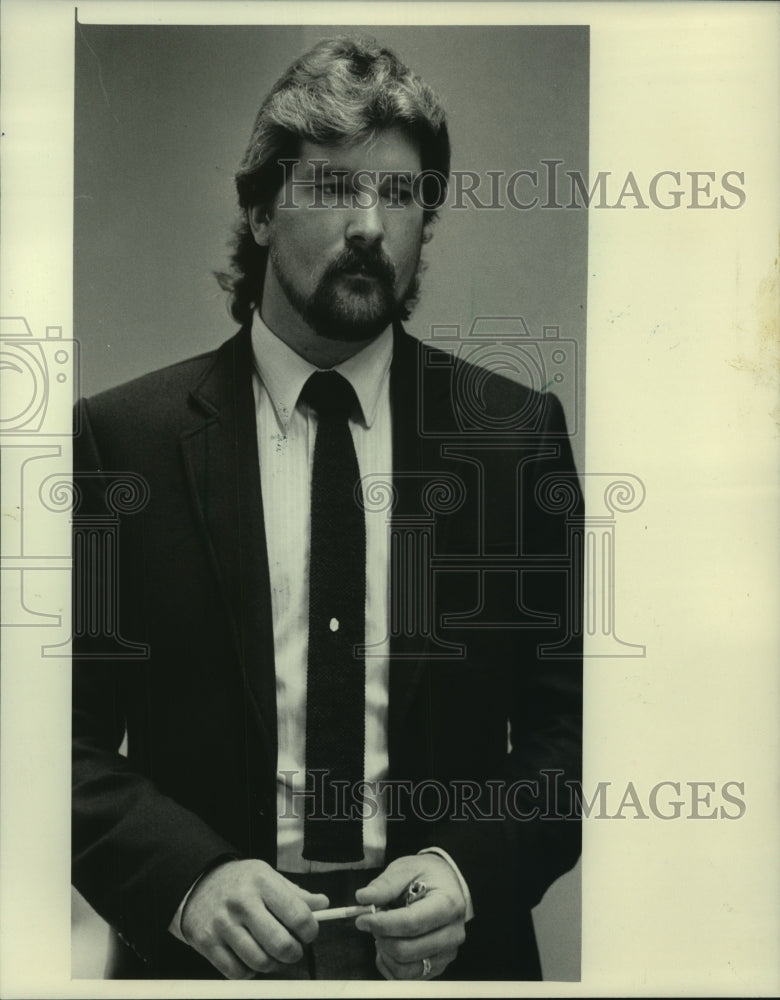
[546,706]
[533,835]
[135,851]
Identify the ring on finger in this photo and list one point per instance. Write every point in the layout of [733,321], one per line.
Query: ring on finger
[426,969]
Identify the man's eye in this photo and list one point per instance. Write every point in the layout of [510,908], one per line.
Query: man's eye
[397,196]
[333,187]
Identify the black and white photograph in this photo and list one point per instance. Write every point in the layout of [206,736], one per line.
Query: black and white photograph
[335,686]
[389,488]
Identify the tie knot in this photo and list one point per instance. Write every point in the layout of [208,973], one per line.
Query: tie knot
[329,394]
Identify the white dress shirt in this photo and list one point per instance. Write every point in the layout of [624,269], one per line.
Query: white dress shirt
[286,428]
[286,432]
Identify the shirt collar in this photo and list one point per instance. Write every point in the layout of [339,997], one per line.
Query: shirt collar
[284,373]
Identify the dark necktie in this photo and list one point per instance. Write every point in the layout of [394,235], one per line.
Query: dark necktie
[335,698]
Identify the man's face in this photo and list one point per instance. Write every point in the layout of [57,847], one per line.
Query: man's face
[344,247]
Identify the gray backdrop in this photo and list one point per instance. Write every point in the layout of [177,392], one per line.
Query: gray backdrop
[162,117]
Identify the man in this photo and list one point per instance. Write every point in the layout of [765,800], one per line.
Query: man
[315,688]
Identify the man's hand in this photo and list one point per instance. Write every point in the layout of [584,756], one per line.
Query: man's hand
[245,918]
[431,928]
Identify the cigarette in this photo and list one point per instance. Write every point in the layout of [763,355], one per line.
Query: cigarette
[342,912]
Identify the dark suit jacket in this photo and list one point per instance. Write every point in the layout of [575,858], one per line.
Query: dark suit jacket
[198,781]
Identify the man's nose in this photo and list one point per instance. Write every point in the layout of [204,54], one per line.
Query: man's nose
[365,225]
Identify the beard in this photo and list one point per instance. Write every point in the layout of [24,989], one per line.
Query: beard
[355,298]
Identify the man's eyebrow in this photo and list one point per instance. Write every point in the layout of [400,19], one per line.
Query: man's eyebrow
[335,169]
[401,175]
[321,167]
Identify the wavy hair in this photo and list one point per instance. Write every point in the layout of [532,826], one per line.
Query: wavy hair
[342,91]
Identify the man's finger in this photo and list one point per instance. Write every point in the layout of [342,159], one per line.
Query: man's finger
[436,910]
[249,952]
[314,900]
[228,963]
[383,969]
[293,912]
[274,938]
[411,971]
[404,971]
[406,950]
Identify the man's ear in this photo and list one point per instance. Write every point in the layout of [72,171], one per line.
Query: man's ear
[259,223]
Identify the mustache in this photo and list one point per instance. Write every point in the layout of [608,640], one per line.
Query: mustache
[370,260]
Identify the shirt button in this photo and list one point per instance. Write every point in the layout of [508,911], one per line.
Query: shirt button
[334,624]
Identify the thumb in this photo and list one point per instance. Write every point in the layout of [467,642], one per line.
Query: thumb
[315,900]
[388,887]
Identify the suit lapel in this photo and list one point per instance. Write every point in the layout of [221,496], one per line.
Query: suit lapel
[416,459]
[221,460]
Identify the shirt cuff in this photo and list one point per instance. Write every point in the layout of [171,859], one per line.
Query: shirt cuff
[461,881]
[175,925]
